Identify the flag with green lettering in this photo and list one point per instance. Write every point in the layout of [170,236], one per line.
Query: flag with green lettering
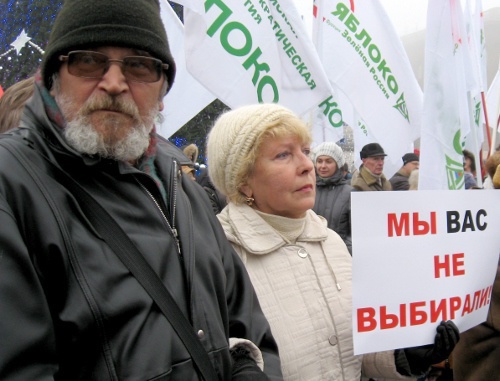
[187,96]
[257,52]
[446,118]
[363,55]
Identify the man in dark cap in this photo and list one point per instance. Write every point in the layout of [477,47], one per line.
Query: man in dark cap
[370,176]
[87,189]
[399,180]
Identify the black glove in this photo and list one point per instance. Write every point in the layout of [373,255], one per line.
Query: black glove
[244,366]
[421,358]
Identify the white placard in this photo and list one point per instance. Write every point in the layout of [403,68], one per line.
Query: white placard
[420,257]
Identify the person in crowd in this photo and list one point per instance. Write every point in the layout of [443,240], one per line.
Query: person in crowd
[217,199]
[72,306]
[333,193]
[491,166]
[477,354]
[191,152]
[347,173]
[189,171]
[413,180]
[258,157]
[469,169]
[496,178]
[399,181]
[371,176]
[12,103]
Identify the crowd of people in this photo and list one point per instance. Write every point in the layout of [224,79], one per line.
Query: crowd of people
[116,265]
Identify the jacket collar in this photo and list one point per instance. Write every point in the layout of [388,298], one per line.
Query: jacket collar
[244,227]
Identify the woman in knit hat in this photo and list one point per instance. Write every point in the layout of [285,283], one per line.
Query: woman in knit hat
[333,193]
[258,156]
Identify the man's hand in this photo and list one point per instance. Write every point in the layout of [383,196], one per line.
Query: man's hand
[421,358]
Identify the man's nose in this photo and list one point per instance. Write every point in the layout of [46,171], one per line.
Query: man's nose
[113,81]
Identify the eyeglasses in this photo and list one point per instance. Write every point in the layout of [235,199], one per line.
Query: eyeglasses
[87,64]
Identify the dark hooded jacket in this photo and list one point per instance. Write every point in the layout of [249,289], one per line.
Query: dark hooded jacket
[333,202]
[70,309]
[477,353]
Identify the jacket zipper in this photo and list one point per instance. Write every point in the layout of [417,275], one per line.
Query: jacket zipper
[171,226]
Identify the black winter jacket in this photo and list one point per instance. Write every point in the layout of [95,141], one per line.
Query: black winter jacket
[70,310]
[333,202]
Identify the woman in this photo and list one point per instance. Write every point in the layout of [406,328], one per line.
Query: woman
[258,156]
[333,193]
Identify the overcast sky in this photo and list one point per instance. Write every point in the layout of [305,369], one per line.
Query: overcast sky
[407,16]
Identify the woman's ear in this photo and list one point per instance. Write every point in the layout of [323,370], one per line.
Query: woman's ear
[246,190]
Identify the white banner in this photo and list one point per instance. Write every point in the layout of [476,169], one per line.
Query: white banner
[420,257]
[255,52]
[363,55]
[493,109]
[477,50]
[187,96]
[446,118]
[493,101]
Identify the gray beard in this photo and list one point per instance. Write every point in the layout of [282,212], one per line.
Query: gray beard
[81,136]
[84,139]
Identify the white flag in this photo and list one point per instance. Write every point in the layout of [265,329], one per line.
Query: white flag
[474,27]
[363,55]
[446,118]
[255,52]
[493,108]
[477,50]
[493,100]
[187,96]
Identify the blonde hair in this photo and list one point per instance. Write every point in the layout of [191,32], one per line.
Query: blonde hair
[492,163]
[191,151]
[285,125]
[12,103]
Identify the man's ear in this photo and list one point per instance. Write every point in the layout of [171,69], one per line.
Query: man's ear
[161,106]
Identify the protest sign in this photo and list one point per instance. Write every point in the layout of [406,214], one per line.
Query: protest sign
[420,257]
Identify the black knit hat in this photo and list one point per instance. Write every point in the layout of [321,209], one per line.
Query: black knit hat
[409,157]
[87,24]
[372,149]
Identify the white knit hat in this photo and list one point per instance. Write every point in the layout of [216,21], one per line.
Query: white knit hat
[330,149]
[233,136]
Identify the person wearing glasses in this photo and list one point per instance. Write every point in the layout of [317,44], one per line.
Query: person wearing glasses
[71,306]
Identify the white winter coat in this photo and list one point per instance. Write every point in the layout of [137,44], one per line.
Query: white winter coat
[305,292]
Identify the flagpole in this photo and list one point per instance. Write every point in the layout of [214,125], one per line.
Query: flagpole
[473,134]
[497,115]
[488,133]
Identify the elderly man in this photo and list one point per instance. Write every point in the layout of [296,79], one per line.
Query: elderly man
[370,176]
[400,180]
[99,225]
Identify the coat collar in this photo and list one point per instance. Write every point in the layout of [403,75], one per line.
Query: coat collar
[244,227]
